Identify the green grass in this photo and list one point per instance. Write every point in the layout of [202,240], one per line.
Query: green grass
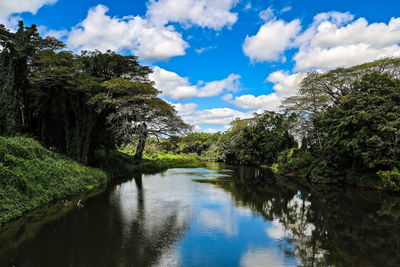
[31,176]
[121,163]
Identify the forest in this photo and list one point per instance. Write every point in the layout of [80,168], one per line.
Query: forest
[343,126]
[78,104]
[101,110]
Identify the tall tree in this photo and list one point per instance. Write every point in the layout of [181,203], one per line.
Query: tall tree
[17,50]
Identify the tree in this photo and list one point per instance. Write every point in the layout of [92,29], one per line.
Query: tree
[318,91]
[364,127]
[256,140]
[17,49]
[134,110]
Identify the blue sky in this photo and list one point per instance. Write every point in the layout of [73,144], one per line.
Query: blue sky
[221,59]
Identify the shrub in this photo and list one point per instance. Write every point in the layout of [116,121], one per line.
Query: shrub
[390,180]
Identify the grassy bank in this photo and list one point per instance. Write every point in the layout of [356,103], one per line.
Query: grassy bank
[120,163]
[31,176]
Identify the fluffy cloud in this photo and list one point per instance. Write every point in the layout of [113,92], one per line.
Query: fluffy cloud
[185,109]
[19,6]
[335,40]
[215,116]
[134,34]
[271,40]
[213,14]
[285,85]
[10,7]
[176,87]
[263,102]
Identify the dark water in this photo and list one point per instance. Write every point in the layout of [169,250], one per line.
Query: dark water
[249,218]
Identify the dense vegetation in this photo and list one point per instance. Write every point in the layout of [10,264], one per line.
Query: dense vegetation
[101,109]
[342,127]
[82,108]
[78,103]
[32,176]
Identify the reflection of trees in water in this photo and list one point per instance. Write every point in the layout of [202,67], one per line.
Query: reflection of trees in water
[99,235]
[327,226]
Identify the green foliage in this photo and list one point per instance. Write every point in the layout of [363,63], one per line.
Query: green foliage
[31,175]
[349,119]
[197,143]
[78,103]
[390,180]
[123,163]
[294,161]
[257,140]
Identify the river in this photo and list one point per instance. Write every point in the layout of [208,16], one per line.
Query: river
[249,217]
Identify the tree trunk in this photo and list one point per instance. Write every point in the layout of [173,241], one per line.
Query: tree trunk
[141,143]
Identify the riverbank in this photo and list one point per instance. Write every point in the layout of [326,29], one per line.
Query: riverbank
[31,175]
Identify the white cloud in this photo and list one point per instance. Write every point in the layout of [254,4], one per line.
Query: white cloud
[176,87]
[262,257]
[215,116]
[204,49]
[276,230]
[285,85]
[185,109]
[44,31]
[267,14]
[213,14]
[247,6]
[264,102]
[210,130]
[335,40]
[8,9]
[135,34]
[285,9]
[271,40]
[231,83]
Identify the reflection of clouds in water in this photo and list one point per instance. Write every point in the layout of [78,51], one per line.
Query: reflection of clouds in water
[244,211]
[261,258]
[214,195]
[155,204]
[221,220]
[216,212]
[276,230]
[170,258]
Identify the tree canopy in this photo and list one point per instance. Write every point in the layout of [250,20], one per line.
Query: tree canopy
[78,103]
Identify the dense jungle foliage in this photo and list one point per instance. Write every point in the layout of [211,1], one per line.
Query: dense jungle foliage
[343,126]
[73,109]
[32,176]
[78,104]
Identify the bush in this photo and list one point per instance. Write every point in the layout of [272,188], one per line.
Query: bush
[294,160]
[390,180]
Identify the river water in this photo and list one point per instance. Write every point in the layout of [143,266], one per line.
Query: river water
[249,217]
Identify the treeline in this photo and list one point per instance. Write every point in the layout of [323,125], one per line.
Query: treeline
[78,104]
[343,126]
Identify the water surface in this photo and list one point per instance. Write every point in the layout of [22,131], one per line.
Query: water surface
[248,218]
